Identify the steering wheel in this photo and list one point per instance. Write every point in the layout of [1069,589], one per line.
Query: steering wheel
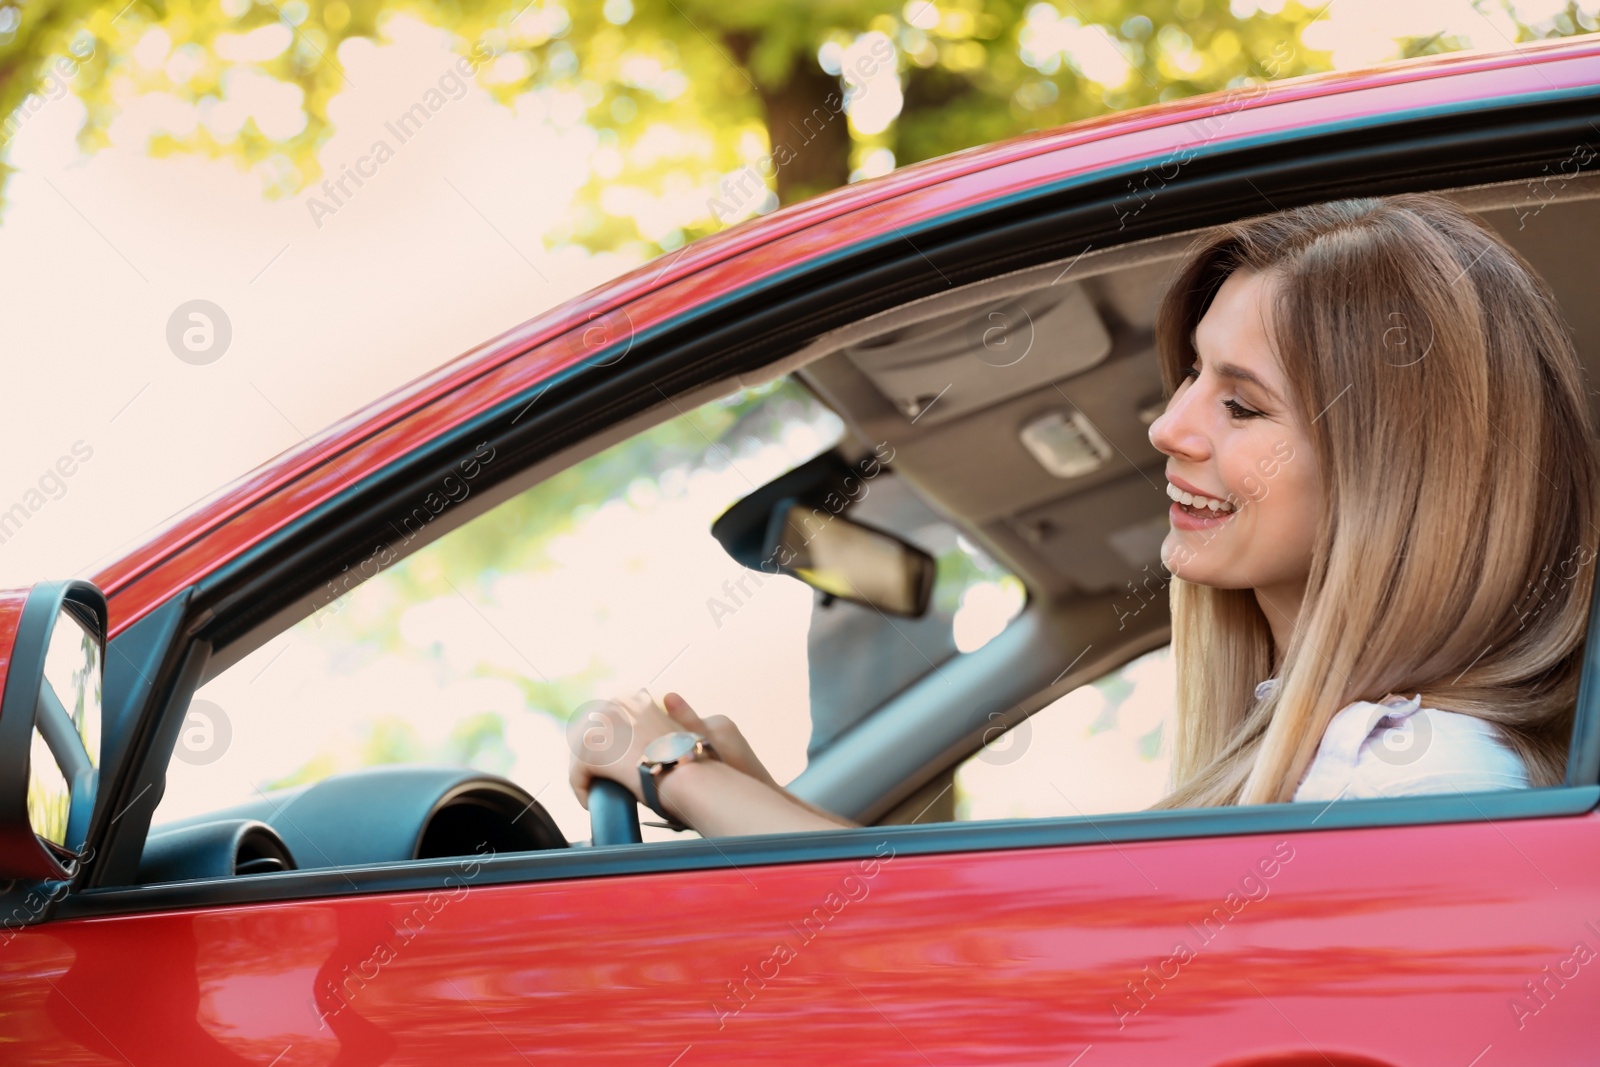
[613,814]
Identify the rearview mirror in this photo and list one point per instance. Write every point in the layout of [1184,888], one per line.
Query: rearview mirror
[50,705]
[848,559]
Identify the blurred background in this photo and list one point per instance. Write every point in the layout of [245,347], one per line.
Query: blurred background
[351,192]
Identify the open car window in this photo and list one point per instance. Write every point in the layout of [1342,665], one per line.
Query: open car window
[606,577]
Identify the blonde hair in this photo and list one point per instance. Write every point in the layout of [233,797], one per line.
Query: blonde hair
[1455,546]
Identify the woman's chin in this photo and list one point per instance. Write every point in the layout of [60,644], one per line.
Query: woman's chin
[1176,557]
[1183,561]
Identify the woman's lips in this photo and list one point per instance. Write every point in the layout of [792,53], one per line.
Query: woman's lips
[1185,519]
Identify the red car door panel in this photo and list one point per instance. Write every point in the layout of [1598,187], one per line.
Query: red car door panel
[1398,945]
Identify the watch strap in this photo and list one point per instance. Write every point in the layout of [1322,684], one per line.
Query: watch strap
[652,797]
[650,775]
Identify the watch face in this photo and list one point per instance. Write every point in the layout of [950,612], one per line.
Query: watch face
[670,747]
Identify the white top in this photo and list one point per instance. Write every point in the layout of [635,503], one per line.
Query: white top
[1399,748]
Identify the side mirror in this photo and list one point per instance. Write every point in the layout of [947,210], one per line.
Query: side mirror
[52,662]
[848,559]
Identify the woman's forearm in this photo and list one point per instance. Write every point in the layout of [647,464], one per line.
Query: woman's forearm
[719,801]
[830,816]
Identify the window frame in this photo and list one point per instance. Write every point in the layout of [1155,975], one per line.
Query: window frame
[198,631]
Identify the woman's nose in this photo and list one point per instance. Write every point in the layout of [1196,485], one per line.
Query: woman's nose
[1174,431]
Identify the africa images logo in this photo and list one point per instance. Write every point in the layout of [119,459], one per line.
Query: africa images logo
[199,332]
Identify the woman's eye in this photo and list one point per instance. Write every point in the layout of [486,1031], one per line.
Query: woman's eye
[1239,411]
[1192,372]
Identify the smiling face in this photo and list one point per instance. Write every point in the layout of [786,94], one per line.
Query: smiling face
[1231,436]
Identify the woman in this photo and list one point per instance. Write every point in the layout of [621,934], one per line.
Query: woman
[1382,465]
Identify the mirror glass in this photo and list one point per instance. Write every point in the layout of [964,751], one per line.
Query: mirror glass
[49,796]
[66,732]
[852,561]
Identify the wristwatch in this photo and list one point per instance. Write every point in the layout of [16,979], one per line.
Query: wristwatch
[660,756]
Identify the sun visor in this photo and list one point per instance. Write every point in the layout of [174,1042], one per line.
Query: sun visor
[943,368]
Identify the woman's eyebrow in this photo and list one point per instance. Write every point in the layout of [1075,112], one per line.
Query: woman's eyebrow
[1237,373]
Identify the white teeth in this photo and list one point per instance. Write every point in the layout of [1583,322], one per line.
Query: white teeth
[1196,501]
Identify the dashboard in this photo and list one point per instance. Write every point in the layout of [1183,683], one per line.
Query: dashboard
[376,815]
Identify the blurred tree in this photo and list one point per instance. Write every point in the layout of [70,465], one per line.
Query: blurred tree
[706,112]
[36,52]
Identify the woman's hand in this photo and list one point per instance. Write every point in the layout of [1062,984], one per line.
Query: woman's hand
[719,798]
[723,735]
[608,737]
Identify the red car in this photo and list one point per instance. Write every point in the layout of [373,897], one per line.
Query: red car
[980,327]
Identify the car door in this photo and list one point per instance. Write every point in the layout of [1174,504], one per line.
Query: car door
[1266,937]
[1395,932]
